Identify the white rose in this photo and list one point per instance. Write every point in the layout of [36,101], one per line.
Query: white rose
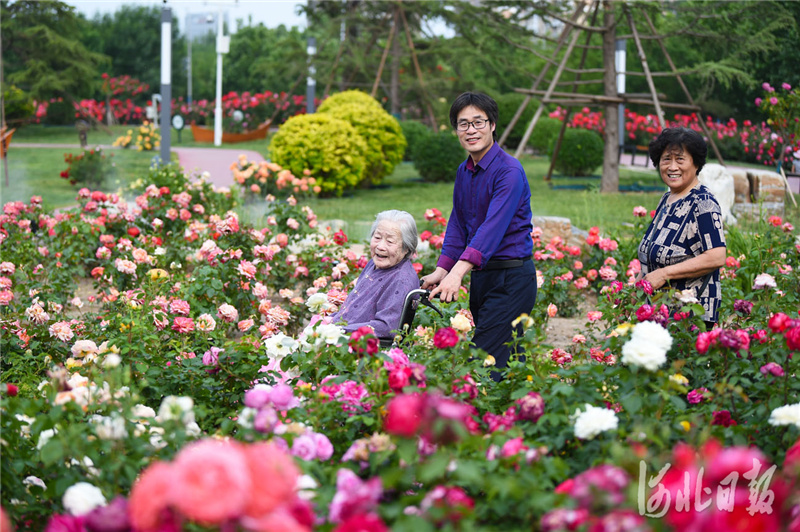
[82,498]
[178,408]
[142,411]
[34,481]
[112,360]
[279,345]
[329,333]
[647,346]
[786,415]
[317,303]
[109,428]
[764,280]
[593,421]
[44,437]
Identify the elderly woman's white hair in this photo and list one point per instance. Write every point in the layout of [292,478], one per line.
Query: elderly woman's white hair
[408,228]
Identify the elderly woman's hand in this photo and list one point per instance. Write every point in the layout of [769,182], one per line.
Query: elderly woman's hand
[657,278]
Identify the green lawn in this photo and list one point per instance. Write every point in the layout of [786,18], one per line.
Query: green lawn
[98,136]
[35,171]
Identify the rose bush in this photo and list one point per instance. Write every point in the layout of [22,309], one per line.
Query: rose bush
[191,379]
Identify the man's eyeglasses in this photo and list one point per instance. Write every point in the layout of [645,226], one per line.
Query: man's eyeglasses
[477,124]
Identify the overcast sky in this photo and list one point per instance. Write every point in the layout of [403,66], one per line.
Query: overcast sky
[272,13]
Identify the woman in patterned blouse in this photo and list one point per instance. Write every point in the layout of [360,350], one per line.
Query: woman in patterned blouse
[684,247]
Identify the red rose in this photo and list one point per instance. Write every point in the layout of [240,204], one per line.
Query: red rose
[404,414]
[445,337]
[340,238]
[11,390]
[363,340]
[133,231]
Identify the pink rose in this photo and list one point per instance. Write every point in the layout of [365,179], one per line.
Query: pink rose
[183,325]
[324,446]
[304,447]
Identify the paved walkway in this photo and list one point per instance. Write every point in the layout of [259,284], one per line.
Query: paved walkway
[217,162]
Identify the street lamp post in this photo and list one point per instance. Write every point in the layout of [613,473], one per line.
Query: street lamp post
[166,83]
[619,63]
[311,82]
[223,45]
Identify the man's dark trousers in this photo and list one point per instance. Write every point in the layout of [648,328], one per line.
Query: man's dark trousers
[497,297]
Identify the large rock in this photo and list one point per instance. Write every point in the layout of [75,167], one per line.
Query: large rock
[720,182]
[741,185]
[768,186]
[556,226]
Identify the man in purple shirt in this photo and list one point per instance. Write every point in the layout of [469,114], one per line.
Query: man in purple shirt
[489,232]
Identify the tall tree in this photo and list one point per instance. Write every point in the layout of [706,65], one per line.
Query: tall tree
[131,38]
[42,51]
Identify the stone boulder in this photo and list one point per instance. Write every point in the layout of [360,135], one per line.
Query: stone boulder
[721,183]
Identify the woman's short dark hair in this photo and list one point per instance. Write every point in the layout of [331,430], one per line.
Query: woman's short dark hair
[680,137]
[477,99]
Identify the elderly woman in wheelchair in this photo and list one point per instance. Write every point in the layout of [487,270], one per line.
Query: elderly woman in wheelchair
[381,289]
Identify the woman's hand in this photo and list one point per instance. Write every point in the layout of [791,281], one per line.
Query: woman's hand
[703,264]
[657,278]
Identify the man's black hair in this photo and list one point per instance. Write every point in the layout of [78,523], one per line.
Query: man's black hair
[477,99]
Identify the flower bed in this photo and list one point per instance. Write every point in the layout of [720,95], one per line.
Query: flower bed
[189,390]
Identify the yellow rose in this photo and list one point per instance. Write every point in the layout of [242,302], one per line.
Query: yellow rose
[679,379]
[685,425]
[488,361]
[157,273]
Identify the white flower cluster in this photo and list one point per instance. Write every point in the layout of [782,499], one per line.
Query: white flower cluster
[647,346]
[593,421]
[786,415]
[82,498]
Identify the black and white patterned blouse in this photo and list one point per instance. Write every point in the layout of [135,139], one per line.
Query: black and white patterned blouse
[682,230]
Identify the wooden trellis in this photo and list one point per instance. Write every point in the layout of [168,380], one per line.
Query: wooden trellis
[573,29]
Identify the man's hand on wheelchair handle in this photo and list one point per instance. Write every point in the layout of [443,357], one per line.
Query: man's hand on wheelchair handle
[433,279]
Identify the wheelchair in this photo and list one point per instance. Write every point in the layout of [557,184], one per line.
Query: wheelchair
[413,300]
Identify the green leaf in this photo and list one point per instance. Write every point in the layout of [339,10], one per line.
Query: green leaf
[632,403]
[434,467]
[52,451]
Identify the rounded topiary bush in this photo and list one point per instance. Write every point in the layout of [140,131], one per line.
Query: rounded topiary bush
[330,148]
[414,132]
[381,132]
[581,152]
[437,157]
[347,98]
[543,134]
[507,105]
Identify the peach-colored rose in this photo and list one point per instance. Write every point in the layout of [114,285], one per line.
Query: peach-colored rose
[211,481]
[150,496]
[274,478]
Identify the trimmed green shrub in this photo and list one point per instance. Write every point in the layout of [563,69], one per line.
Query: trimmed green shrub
[330,148]
[347,98]
[437,157]
[581,152]
[414,132]
[381,131]
[60,113]
[18,105]
[507,105]
[543,134]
